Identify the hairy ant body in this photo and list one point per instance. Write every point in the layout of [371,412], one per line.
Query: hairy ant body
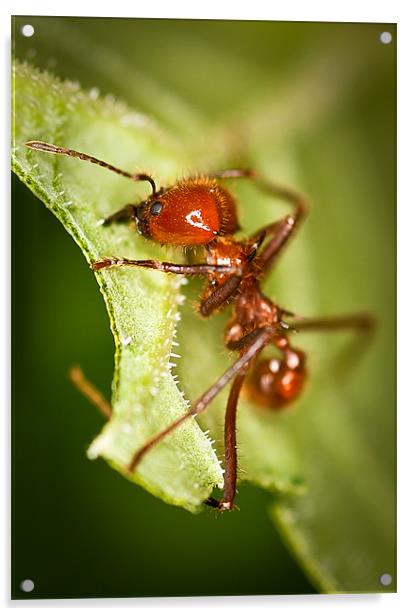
[199,211]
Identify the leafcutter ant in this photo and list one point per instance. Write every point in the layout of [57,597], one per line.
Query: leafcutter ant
[200,212]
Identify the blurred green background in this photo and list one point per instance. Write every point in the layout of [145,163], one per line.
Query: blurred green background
[322,95]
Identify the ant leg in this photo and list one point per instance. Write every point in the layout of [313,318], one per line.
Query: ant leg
[363,326]
[221,295]
[230,445]
[283,229]
[231,173]
[89,391]
[125,214]
[261,339]
[196,269]
[361,321]
[280,230]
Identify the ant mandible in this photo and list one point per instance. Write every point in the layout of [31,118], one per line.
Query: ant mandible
[199,211]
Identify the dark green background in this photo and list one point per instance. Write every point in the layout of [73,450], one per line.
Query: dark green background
[79,528]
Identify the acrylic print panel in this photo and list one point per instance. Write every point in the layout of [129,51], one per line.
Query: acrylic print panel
[310,105]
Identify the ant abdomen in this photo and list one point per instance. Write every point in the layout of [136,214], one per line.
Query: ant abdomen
[274,382]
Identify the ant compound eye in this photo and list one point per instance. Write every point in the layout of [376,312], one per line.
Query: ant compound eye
[156,208]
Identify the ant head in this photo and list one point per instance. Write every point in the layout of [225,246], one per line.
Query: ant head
[192,213]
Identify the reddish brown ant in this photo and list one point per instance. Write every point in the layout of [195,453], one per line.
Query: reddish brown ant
[199,211]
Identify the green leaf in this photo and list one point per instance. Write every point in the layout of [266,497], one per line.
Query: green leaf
[143,306]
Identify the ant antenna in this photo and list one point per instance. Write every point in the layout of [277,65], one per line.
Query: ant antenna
[55,149]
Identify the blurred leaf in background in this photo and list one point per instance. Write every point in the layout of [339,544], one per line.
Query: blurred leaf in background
[312,105]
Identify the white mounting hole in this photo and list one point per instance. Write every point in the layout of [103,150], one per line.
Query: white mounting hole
[28,30]
[385,38]
[27,585]
[385,579]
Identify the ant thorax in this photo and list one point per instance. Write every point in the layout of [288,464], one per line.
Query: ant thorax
[251,309]
[226,251]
